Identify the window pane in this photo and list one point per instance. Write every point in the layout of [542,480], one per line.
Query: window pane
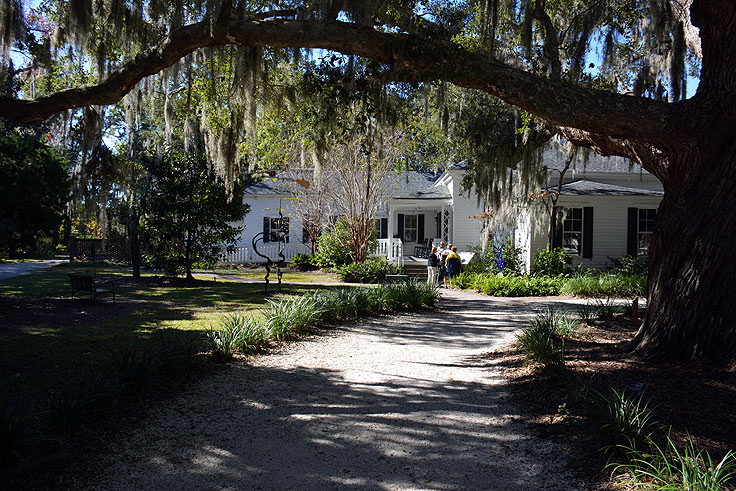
[410,228]
[572,231]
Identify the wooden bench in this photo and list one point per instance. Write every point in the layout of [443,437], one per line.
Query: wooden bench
[84,283]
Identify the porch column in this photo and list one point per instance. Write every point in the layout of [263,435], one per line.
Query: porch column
[389,251]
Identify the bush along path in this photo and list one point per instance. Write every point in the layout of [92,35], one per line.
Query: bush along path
[405,402]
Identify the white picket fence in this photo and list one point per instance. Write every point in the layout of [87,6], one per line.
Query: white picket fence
[242,255]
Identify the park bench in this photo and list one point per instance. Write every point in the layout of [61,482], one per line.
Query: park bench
[84,283]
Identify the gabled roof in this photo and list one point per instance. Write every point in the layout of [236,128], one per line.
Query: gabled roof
[591,188]
[404,185]
[555,158]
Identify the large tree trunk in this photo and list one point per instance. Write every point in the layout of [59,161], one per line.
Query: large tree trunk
[692,273]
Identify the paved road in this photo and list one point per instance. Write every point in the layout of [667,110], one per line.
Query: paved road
[9,270]
[407,402]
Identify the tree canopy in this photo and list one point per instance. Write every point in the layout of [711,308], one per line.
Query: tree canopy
[34,187]
[610,75]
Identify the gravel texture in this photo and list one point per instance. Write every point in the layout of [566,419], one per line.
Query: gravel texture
[406,402]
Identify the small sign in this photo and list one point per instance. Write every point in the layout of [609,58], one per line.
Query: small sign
[466,257]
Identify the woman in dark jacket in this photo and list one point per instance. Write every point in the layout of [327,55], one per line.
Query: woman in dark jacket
[432,262]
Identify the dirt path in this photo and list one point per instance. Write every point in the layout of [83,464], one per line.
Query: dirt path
[409,402]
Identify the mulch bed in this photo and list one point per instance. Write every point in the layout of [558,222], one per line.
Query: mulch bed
[698,400]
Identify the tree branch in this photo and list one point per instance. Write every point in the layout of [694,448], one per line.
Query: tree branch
[559,103]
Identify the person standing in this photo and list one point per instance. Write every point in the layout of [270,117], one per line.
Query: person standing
[441,272]
[453,263]
[432,263]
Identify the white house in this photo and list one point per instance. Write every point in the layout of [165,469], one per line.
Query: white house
[609,210]
[420,206]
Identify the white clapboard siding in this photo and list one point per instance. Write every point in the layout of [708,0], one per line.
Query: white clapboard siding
[610,225]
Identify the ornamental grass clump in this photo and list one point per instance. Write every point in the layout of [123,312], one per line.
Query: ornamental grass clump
[541,343]
[666,467]
[224,340]
[285,318]
[626,420]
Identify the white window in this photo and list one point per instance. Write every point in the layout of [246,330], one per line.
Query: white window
[572,231]
[645,229]
[410,228]
[272,229]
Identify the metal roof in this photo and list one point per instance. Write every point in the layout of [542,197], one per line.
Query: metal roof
[591,188]
[404,185]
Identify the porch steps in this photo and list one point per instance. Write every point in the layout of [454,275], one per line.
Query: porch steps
[415,269]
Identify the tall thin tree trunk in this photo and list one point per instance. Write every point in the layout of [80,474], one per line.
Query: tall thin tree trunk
[187,256]
[135,245]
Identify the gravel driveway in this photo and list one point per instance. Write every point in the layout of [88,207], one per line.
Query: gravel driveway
[407,402]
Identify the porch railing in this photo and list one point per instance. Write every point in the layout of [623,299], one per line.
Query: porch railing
[243,255]
[391,249]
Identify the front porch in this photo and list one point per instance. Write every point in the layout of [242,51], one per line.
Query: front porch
[393,250]
[410,227]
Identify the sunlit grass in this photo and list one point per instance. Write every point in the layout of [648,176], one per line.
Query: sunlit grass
[38,356]
[291,276]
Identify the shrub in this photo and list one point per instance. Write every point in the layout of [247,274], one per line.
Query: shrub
[466,280]
[630,265]
[605,284]
[334,247]
[305,262]
[372,270]
[517,286]
[282,320]
[606,310]
[498,257]
[177,351]
[553,262]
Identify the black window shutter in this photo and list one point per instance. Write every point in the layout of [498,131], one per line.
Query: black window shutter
[266,229]
[420,229]
[556,232]
[631,232]
[401,226]
[588,232]
[384,228]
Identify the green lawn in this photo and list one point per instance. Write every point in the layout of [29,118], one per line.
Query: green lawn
[47,336]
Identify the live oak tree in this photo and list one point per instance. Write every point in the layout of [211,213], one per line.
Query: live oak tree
[529,53]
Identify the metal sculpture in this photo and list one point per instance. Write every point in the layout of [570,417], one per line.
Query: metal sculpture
[260,236]
[281,240]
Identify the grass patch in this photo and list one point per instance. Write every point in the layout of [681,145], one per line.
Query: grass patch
[288,276]
[72,357]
